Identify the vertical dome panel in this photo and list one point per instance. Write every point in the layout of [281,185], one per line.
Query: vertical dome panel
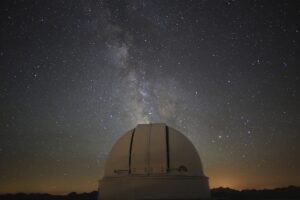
[117,162]
[184,159]
[157,149]
[140,152]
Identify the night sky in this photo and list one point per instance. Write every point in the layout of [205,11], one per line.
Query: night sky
[76,75]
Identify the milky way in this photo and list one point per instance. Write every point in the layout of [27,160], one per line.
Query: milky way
[76,75]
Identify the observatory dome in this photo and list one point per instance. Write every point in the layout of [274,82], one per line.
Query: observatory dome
[153,161]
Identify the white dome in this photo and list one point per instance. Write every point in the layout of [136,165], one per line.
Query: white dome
[157,160]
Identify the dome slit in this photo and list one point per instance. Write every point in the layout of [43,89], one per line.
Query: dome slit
[148,149]
[130,150]
[167,146]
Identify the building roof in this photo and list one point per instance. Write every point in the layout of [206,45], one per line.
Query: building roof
[153,149]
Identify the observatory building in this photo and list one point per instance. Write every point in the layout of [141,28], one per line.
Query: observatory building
[153,161]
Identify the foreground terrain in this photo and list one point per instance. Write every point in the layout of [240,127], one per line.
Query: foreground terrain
[291,192]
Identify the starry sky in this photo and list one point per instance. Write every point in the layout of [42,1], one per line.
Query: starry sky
[75,75]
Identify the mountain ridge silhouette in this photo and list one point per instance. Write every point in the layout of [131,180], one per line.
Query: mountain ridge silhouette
[221,193]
